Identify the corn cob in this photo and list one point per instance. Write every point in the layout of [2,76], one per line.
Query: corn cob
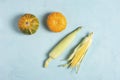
[62,45]
[79,52]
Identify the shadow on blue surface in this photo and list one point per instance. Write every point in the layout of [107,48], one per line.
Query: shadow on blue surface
[44,21]
[14,23]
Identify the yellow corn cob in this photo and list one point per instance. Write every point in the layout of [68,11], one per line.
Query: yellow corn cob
[76,57]
[62,45]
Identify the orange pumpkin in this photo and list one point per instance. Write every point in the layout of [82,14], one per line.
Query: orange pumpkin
[56,22]
[28,24]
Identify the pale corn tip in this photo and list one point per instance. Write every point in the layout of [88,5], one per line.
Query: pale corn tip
[90,34]
[47,62]
[78,29]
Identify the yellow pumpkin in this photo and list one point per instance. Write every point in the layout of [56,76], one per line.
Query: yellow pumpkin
[28,24]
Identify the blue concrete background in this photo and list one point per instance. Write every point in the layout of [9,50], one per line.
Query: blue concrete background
[22,56]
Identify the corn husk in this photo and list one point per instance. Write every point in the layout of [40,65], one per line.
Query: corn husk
[79,52]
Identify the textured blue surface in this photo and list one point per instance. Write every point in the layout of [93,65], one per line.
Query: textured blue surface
[22,56]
